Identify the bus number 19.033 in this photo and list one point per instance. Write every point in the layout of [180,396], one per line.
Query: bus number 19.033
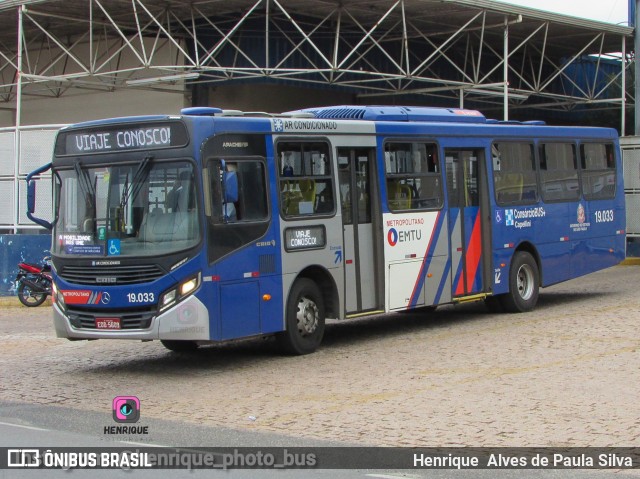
[141,297]
[604,216]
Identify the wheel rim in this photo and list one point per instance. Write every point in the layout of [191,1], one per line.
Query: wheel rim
[30,297]
[525,282]
[307,316]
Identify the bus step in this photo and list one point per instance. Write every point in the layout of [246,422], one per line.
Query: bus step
[468,299]
[366,313]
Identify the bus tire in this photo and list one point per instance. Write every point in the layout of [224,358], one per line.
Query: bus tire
[304,319]
[524,281]
[179,346]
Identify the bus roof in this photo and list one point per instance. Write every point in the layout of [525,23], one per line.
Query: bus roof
[396,113]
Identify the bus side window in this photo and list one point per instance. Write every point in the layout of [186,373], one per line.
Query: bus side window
[413,176]
[598,172]
[305,178]
[559,172]
[237,190]
[514,173]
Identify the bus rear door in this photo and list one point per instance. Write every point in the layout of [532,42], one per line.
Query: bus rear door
[468,203]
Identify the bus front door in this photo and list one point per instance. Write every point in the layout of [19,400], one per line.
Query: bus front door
[355,170]
[464,182]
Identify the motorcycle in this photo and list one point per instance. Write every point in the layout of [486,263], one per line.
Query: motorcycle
[33,283]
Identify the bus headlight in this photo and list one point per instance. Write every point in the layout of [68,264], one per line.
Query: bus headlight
[184,289]
[188,286]
[57,296]
[167,299]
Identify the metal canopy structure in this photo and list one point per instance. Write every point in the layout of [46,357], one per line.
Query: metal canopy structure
[482,52]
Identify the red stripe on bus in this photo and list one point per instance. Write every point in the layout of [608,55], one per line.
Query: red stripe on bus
[473,253]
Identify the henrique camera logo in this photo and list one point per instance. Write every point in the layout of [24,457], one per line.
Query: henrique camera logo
[126,409]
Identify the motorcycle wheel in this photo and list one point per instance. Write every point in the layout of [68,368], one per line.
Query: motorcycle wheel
[28,297]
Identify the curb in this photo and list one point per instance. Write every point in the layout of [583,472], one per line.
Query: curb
[631,262]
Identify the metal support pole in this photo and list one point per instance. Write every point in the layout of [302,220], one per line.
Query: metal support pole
[506,69]
[636,49]
[623,94]
[16,171]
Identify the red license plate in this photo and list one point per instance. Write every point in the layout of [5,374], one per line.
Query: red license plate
[108,323]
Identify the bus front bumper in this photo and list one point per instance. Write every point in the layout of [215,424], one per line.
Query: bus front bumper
[186,321]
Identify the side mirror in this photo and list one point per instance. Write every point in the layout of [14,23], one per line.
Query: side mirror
[31,197]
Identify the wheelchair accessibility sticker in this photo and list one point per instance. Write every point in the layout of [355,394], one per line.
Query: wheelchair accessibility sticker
[113,247]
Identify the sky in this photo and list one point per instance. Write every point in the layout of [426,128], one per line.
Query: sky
[611,11]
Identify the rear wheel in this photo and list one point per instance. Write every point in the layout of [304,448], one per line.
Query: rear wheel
[524,279]
[179,346]
[28,297]
[304,319]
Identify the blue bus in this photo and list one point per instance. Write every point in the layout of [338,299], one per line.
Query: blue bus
[215,225]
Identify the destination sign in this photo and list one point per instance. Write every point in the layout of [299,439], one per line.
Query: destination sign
[121,138]
[308,237]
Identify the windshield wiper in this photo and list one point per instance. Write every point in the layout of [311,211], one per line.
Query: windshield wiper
[132,189]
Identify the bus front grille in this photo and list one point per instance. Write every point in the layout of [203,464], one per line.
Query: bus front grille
[110,275]
[82,318]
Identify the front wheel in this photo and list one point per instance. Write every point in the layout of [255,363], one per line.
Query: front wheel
[304,319]
[179,346]
[28,297]
[524,280]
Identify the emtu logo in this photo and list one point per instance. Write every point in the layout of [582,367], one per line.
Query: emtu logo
[392,237]
[126,409]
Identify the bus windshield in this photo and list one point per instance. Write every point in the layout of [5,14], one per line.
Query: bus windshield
[142,209]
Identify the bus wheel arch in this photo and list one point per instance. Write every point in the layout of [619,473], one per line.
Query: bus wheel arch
[529,248]
[327,286]
[524,281]
[312,296]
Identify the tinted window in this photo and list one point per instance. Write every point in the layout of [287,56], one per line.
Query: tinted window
[305,179]
[414,180]
[237,204]
[514,173]
[598,171]
[559,172]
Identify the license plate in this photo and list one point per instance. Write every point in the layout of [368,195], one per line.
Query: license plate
[107,323]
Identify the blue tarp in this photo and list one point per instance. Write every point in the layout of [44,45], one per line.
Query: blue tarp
[17,248]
